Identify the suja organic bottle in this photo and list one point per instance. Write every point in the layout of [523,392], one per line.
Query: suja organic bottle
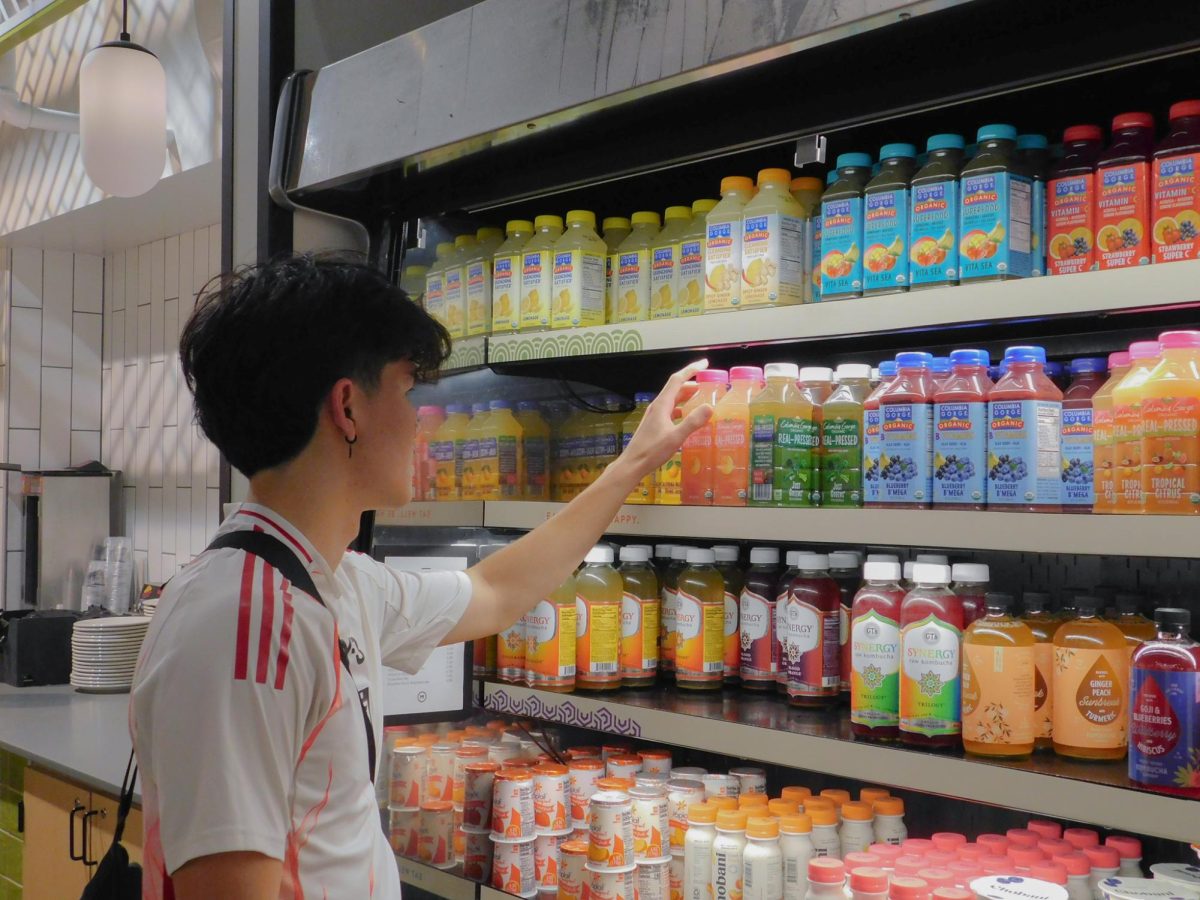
[1091,676]
[875,653]
[700,623]
[697,453]
[931,626]
[756,621]
[998,683]
[812,627]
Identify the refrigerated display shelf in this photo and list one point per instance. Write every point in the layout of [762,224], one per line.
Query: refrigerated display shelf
[447,883]
[1160,536]
[467,513]
[764,728]
[466,353]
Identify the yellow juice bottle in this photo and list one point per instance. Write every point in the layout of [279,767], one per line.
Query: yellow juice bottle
[575,454]
[700,623]
[1171,427]
[535,452]
[780,399]
[723,245]
[1102,434]
[998,683]
[550,637]
[631,268]
[579,261]
[599,590]
[470,451]
[689,255]
[1127,428]
[412,282]
[645,490]
[614,229]
[807,192]
[605,425]
[773,243]
[664,263]
[446,448]
[537,273]
[477,276]
[435,282]
[456,285]
[1091,686]
[498,460]
[669,602]
[506,277]
[429,420]
[1042,623]
[731,437]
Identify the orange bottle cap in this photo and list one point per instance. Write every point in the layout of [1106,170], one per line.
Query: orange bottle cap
[781,807]
[822,816]
[774,176]
[837,795]
[858,812]
[754,798]
[762,827]
[732,820]
[723,803]
[796,792]
[889,806]
[736,183]
[702,813]
[796,823]
[804,183]
[871,794]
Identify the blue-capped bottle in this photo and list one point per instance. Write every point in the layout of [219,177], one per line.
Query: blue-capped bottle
[939,368]
[814,234]
[885,225]
[933,214]
[996,203]
[1088,375]
[960,426]
[873,434]
[906,420]
[1034,153]
[1024,436]
[842,228]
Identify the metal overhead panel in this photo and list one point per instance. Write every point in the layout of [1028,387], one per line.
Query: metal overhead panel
[22,19]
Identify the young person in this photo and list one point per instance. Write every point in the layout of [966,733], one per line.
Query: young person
[248,728]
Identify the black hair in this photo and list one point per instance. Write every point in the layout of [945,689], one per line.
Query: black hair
[266,343]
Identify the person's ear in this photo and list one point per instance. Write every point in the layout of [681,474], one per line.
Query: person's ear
[341,409]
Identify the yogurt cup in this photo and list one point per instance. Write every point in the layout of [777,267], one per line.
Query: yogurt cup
[512,867]
[1118,888]
[1016,887]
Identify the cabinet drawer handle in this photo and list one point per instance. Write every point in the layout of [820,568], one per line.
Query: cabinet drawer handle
[86,859]
[76,809]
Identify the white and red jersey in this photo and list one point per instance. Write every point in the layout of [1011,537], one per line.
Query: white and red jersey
[248,731]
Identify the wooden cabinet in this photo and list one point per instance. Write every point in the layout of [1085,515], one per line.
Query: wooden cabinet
[104,823]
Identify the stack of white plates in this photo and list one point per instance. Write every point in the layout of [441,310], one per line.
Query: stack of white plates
[104,653]
[149,607]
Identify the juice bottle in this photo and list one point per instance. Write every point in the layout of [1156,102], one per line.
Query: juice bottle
[842,228]
[455,285]
[667,609]
[845,567]
[696,483]
[429,420]
[689,254]
[875,653]
[998,683]
[1071,202]
[412,282]
[632,268]
[1078,434]
[579,261]
[1091,682]
[644,492]
[756,620]
[599,589]
[783,591]
[735,579]
[446,448]
[557,413]
[435,282]
[814,252]
[873,434]
[664,263]
[574,453]
[1164,727]
[477,273]
[1104,462]
[723,245]
[931,626]
[470,451]
[700,623]
[906,419]
[639,618]
[614,229]
[933,215]
[970,584]
[939,371]
[606,436]
[1127,428]
[798,441]
[773,243]
[996,202]
[841,438]
[1024,448]
[537,273]
[1043,624]
[807,192]
[811,624]
[1176,178]
[731,437]
[1171,427]
[1123,193]
[779,399]
[1131,623]
[498,463]
[535,451]
[1034,153]
[886,225]
[960,422]
[506,277]
[550,637]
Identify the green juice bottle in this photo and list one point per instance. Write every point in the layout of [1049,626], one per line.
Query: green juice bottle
[842,438]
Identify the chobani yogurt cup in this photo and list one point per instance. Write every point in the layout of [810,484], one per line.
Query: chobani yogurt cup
[1016,887]
[1117,888]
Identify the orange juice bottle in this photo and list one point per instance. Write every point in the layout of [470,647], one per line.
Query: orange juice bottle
[1042,623]
[998,683]
[1171,427]
[470,453]
[700,623]
[1127,428]
[550,635]
[574,454]
[535,452]
[447,447]
[429,420]
[1102,433]
[498,461]
[598,592]
[731,437]
[696,455]
[644,492]
[1091,685]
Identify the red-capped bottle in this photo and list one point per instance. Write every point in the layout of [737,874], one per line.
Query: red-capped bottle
[1123,193]
[1071,203]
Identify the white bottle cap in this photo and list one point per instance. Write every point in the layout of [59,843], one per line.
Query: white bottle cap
[812,561]
[840,559]
[647,547]
[764,556]
[930,573]
[726,553]
[700,556]
[679,552]
[883,557]
[877,570]
[940,558]
[816,373]
[908,570]
[782,370]
[601,553]
[791,557]
[853,370]
[663,551]
[634,554]
[858,557]
[970,572]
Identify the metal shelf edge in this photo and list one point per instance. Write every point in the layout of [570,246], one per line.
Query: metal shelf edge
[439,882]
[467,514]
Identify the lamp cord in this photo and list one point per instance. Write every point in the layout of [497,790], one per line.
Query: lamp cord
[125,20]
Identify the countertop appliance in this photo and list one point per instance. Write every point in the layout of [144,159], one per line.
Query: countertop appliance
[37,648]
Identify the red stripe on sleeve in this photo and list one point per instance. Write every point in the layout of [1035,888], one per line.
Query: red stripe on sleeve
[267,625]
[285,636]
[241,656]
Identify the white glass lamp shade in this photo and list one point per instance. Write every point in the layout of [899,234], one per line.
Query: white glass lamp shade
[123,118]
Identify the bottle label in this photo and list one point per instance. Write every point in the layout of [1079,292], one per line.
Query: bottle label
[550,643]
[1078,458]
[578,289]
[510,649]
[996,226]
[810,649]
[1043,694]
[1024,452]
[841,462]
[456,302]
[1164,728]
[598,639]
[885,236]
[875,671]
[841,248]
[446,482]
[668,482]
[1102,449]
[872,448]
[1070,217]
[537,288]
[506,290]
[633,286]
[663,279]
[731,456]
[689,289]
[772,260]
[1123,215]
[997,694]
[813,263]
[479,296]
[1171,454]
[1176,208]
[700,638]
[934,252]
[929,682]
[778,659]
[435,296]
[1037,236]
[795,461]
[762,460]
[610,287]
[960,453]
[756,633]
[1090,696]
[639,635]
[906,455]
[534,454]
[667,610]
[733,650]
[723,265]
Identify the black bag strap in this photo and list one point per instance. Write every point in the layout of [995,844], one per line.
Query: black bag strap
[126,800]
[275,553]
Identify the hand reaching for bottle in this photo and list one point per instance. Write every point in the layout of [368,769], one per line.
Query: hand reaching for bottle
[661,433]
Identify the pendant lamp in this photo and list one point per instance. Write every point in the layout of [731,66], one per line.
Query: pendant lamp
[123,115]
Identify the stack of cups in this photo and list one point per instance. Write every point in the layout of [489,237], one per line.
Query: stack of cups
[656,761]
[551,813]
[610,862]
[682,793]
[651,840]
[439,777]
[584,773]
[513,832]
[624,766]
[464,754]
[478,785]
[572,870]
[751,780]
[435,840]
[409,765]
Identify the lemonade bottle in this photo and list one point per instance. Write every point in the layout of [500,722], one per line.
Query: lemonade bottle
[455,286]
[429,420]
[723,245]
[598,592]
[435,282]
[998,683]
[412,282]
[996,202]
[579,261]
[632,268]
[842,228]
[779,399]
[885,220]
[614,230]
[478,279]
[664,263]
[689,254]
[1176,176]
[1042,624]
[556,414]
[841,437]
[644,492]
[574,454]
[697,453]
[807,191]
[1034,153]
[498,462]
[535,452]
[735,579]
[873,434]
[1071,203]
[1127,428]
[1102,433]
[1171,427]
[1091,685]
[537,273]
[550,638]
[1123,193]
[700,623]
[447,448]
[506,277]
[933,254]
[731,437]
[773,243]
[639,618]
[470,451]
